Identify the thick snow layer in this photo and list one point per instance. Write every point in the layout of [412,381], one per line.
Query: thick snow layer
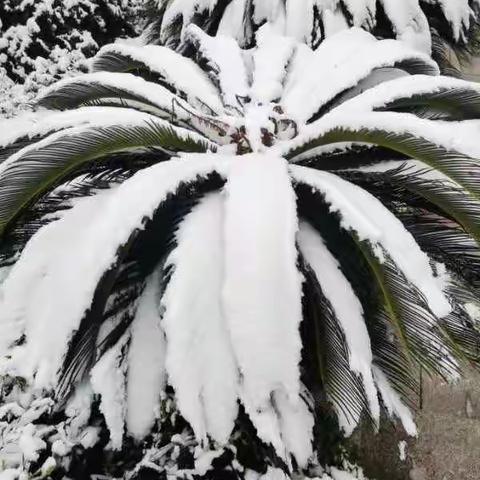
[451,136]
[393,403]
[30,444]
[362,11]
[92,230]
[185,9]
[262,292]
[405,87]
[340,63]
[43,122]
[180,72]
[120,84]
[107,378]
[115,117]
[270,59]
[146,374]
[347,308]
[409,23]
[262,295]
[200,361]
[372,221]
[231,23]
[296,424]
[459,14]
[299,19]
[224,57]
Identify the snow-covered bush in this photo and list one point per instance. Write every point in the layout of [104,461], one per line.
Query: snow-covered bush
[230,250]
[43,40]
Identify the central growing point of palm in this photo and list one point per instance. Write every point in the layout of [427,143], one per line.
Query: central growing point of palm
[280,229]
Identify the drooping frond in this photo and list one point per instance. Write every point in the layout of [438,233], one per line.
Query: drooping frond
[36,169]
[178,74]
[422,24]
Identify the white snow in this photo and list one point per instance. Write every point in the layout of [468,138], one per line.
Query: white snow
[262,290]
[262,295]
[127,83]
[402,450]
[146,375]
[409,23]
[44,122]
[92,230]
[200,362]
[347,308]
[403,88]
[30,444]
[185,9]
[180,72]
[270,59]
[107,378]
[459,14]
[231,23]
[340,62]
[224,57]
[393,403]
[372,221]
[115,117]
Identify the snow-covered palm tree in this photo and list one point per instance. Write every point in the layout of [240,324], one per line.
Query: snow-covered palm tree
[270,233]
[438,25]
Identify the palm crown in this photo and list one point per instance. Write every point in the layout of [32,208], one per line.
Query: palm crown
[280,227]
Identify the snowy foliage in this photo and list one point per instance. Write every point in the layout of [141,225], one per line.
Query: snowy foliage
[311,21]
[43,40]
[236,244]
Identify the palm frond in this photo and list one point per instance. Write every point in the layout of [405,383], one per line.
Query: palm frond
[119,288]
[160,65]
[35,170]
[457,166]
[326,356]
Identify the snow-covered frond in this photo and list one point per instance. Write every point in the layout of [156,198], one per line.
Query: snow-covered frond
[270,62]
[372,222]
[418,330]
[462,332]
[262,296]
[412,189]
[393,403]
[38,168]
[223,61]
[199,358]
[130,91]
[436,145]
[108,380]
[146,374]
[459,99]
[19,132]
[347,310]
[339,64]
[175,72]
[96,230]
[345,304]
[124,87]
[327,356]
[385,346]
[312,21]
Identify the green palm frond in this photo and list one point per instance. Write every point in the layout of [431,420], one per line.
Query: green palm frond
[459,167]
[33,172]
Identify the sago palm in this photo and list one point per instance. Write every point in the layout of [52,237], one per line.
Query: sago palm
[266,234]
